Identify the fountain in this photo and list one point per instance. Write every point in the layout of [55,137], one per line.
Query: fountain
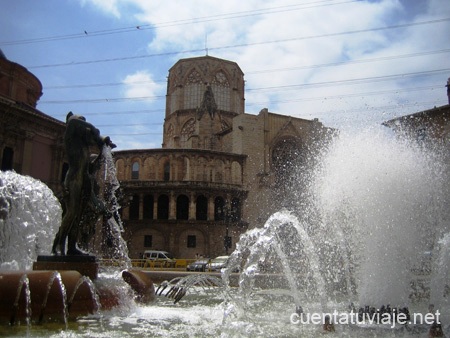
[375,208]
[63,286]
[370,237]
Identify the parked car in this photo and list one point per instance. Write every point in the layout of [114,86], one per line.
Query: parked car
[198,265]
[218,263]
[162,257]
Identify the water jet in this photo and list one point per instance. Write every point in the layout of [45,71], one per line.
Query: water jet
[375,207]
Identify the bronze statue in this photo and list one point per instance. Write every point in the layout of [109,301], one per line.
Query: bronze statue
[82,207]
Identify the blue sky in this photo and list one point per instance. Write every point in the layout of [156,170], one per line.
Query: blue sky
[348,63]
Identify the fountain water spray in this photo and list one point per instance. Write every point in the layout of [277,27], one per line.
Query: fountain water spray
[30,215]
[393,198]
[374,205]
[114,223]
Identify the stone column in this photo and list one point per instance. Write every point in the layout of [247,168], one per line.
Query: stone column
[27,155]
[141,206]
[155,207]
[192,207]
[172,206]
[211,208]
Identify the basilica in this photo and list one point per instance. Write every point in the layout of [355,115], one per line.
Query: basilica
[219,172]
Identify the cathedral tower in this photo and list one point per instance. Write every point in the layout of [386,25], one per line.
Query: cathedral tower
[203,96]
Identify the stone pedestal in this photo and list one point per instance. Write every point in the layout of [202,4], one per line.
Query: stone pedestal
[85,264]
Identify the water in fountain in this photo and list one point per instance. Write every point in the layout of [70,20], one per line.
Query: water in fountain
[55,279]
[389,199]
[119,251]
[271,250]
[30,215]
[374,206]
[440,286]
[23,292]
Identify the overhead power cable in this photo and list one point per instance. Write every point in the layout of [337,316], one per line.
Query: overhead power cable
[104,100]
[73,63]
[126,112]
[350,81]
[272,88]
[333,64]
[362,94]
[418,105]
[142,27]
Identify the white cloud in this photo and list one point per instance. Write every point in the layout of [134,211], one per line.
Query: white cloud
[141,84]
[106,6]
[299,38]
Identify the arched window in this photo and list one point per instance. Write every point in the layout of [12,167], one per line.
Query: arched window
[201,208]
[219,209]
[183,207]
[134,207]
[167,171]
[148,207]
[135,171]
[7,158]
[235,210]
[193,90]
[221,89]
[188,130]
[163,207]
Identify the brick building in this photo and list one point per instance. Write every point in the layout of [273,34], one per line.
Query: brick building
[31,142]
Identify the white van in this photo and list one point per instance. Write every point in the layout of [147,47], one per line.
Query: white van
[161,256]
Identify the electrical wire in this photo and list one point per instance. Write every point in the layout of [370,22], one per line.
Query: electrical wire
[257,72]
[124,58]
[141,27]
[271,88]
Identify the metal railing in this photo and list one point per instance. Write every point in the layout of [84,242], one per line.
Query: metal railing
[177,264]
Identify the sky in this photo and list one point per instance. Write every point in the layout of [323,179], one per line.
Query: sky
[351,64]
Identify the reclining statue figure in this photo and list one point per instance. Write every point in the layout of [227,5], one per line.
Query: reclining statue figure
[81,203]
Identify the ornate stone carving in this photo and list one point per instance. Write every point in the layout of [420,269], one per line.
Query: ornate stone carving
[208,104]
[194,77]
[170,130]
[188,129]
[220,79]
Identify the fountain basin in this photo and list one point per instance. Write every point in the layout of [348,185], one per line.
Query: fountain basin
[37,296]
[51,296]
[85,264]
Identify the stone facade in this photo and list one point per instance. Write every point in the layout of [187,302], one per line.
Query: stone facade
[31,143]
[428,126]
[219,172]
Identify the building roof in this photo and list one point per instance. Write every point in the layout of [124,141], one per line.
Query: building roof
[29,110]
[205,57]
[422,114]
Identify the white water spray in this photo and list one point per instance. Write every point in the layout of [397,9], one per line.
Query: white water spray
[30,215]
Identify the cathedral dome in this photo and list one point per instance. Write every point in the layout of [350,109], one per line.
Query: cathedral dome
[18,83]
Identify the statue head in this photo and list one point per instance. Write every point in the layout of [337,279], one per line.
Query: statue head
[71,116]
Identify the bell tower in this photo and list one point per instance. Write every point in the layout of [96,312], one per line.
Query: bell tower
[203,96]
